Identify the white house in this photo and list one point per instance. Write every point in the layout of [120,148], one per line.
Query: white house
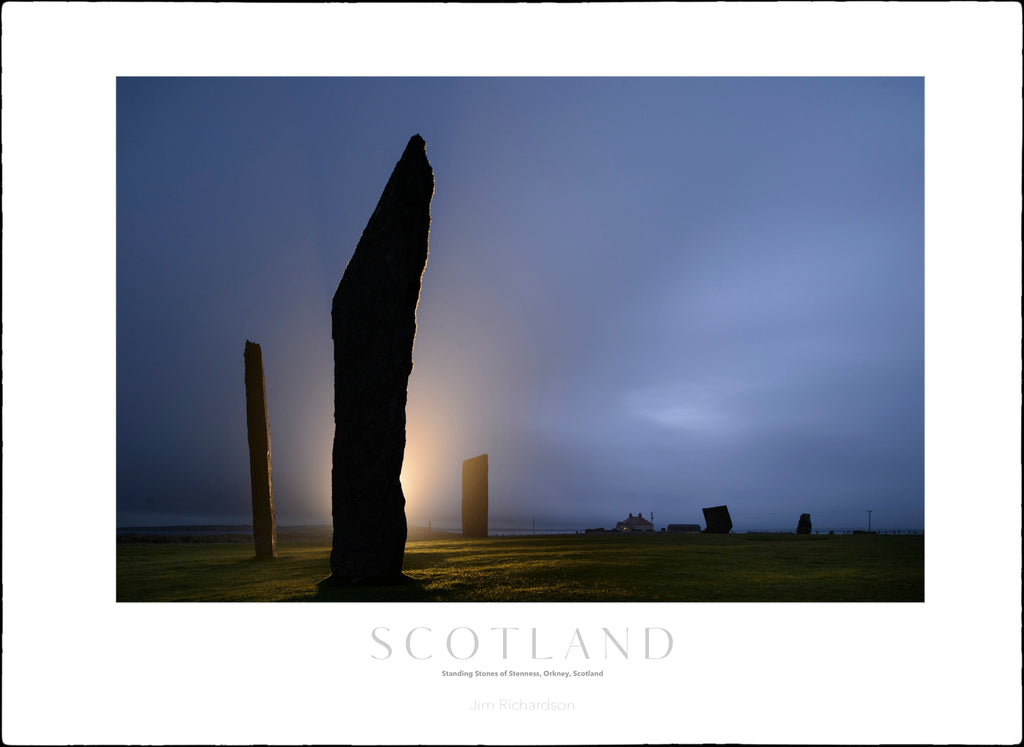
[635,524]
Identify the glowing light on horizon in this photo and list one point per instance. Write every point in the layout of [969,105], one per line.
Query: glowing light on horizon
[417,476]
[408,479]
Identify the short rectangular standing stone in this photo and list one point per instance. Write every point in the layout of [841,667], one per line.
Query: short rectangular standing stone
[474,497]
[263,527]
[718,520]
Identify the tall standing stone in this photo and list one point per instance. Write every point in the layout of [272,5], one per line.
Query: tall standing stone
[718,520]
[264,529]
[373,324]
[474,497]
[804,525]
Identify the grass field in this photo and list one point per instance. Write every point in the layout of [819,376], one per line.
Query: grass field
[569,568]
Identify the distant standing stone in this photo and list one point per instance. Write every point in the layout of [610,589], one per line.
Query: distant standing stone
[264,529]
[718,520]
[373,324]
[474,497]
[804,525]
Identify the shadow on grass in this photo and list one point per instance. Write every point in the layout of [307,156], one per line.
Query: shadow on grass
[420,561]
[406,590]
[260,559]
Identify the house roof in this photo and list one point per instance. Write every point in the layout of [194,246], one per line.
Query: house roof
[634,521]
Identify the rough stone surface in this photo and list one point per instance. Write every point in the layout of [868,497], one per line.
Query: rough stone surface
[373,324]
[474,497]
[718,520]
[264,529]
[804,525]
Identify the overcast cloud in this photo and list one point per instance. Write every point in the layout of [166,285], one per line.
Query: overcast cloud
[642,294]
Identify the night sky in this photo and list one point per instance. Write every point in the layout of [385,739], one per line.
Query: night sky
[642,294]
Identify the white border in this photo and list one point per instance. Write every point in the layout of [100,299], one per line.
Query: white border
[79,668]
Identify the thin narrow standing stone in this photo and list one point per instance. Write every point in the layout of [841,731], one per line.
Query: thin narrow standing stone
[373,324]
[474,497]
[263,527]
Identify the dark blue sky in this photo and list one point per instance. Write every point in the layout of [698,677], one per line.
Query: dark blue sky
[642,294]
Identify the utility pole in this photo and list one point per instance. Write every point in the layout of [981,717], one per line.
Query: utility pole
[869,518]
[535,525]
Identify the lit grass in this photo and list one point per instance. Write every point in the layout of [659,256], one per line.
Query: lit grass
[573,568]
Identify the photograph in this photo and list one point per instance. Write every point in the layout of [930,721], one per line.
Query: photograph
[520,339]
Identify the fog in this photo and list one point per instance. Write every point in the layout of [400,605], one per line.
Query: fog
[642,295]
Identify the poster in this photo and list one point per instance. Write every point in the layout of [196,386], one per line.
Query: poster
[943,671]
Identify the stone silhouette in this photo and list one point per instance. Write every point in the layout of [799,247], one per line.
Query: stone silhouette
[264,529]
[373,325]
[474,497]
[717,520]
[804,525]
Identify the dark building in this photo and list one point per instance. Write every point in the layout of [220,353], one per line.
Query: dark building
[635,524]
